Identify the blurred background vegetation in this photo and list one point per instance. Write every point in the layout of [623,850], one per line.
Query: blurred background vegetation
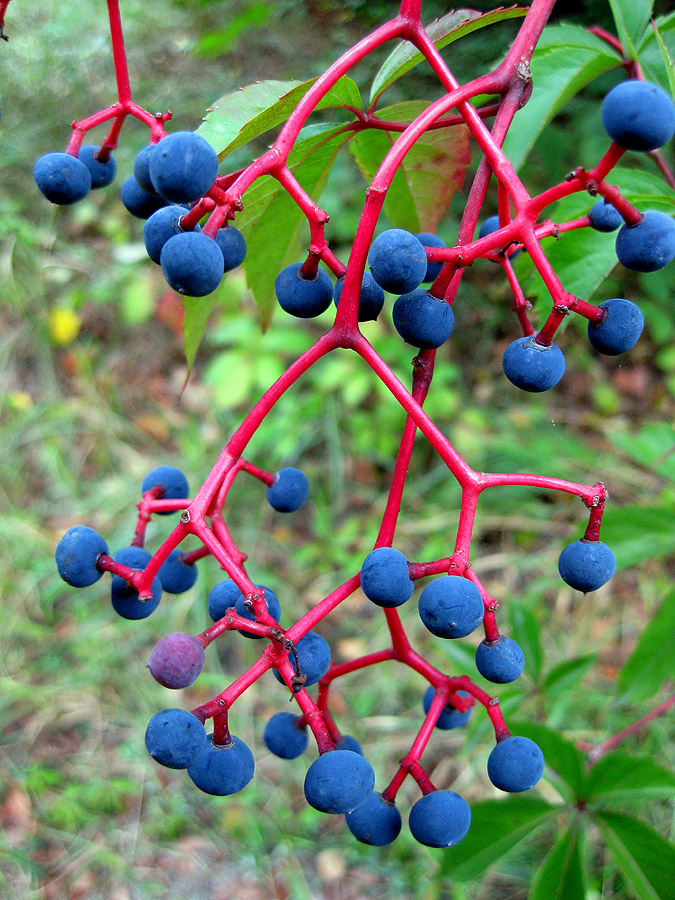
[92,398]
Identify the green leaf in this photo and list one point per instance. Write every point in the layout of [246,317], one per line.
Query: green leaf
[651,662]
[525,632]
[497,826]
[271,220]
[653,447]
[566,59]
[243,115]
[567,673]
[646,860]
[667,59]
[656,51]
[431,174]
[631,18]
[561,877]
[636,533]
[196,312]
[225,39]
[450,27]
[618,776]
[560,754]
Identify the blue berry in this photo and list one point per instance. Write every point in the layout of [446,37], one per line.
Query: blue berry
[500,661]
[385,579]
[62,178]
[289,491]
[347,742]
[123,596]
[76,555]
[515,764]
[586,565]
[531,366]
[192,263]
[226,594]
[338,781]
[433,268]
[284,736]
[175,738]
[649,245]
[102,173]
[371,298]
[638,115]
[138,202]
[301,297]
[232,245]
[376,821]
[451,607]
[174,483]
[222,769]
[604,217]
[176,576]
[397,261]
[142,169]
[492,224]
[183,166]
[160,227]
[314,655]
[422,319]
[440,819]
[177,660]
[450,717]
[620,330]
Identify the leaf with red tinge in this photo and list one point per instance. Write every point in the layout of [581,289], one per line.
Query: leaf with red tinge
[432,171]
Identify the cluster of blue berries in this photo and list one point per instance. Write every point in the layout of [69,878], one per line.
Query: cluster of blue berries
[168,177]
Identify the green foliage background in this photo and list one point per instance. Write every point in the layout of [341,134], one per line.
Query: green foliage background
[85,812]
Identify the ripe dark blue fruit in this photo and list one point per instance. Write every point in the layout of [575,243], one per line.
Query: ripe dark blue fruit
[515,764]
[284,736]
[177,660]
[371,298]
[620,330]
[531,366]
[62,178]
[422,319]
[339,781]
[450,717]
[176,576]
[314,655]
[376,821]
[433,268]
[604,217]
[385,579]
[347,742]
[175,738]
[500,661]
[142,169]
[124,597]
[638,115]
[232,245]
[76,555]
[289,491]
[138,202]
[492,224]
[301,297]
[183,166]
[192,263]
[222,769]
[586,565]
[226,595]
[451,607]
[172,481]
[102,173]
[649,245]
[160,227]
[398,261]
[440,819]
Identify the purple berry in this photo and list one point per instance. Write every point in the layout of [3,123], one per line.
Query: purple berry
[62,178]
[531,366]
[339,781]
[172,481]
[175,738]
[76,555]
[440,819]
[284,736]
[314,655]
[138,202]
[385,579]
[638,115]
[232,245]
[515,764]
[397,261]
[376,821]
[176,660]
[604,217]
[192,263]
[222,769]
[620,330]
[183,166]
[176,576]
[160,227]
[586,565]
[649,245]
[500,661]
[451,607]
[303,297]
[423,320]
[102,173]
[433,268]
[123,596]
[289,491]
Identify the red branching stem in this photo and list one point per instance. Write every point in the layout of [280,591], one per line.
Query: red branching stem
[236,689]
[592,532]
[195,555]
[663,167]
[119,55]
[598,752]
[522,305]
[336,670]
[221,731]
